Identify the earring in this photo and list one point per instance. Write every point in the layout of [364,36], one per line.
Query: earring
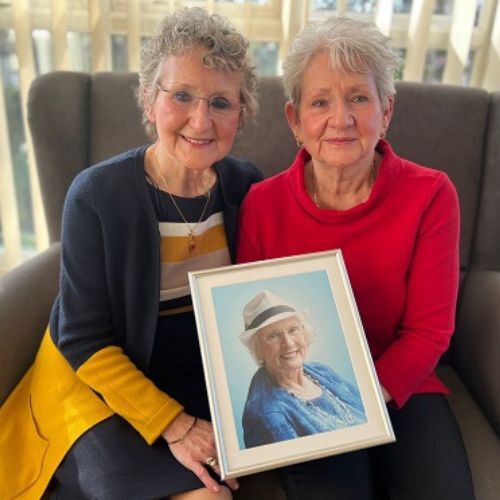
[382,134]
[299,142]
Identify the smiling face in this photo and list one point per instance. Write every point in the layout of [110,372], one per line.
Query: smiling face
[282,346]
[194,137]
[340,117]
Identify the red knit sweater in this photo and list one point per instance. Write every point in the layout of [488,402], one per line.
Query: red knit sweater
[401,252]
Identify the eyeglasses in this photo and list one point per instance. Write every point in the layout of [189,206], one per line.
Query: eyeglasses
[217,105]
[276,336]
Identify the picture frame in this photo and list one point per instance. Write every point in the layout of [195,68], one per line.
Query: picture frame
[258,423]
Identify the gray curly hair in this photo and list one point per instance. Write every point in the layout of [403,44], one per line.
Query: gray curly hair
[177,34]
[354,46]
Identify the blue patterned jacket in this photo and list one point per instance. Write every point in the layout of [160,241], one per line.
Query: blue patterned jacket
[272,414]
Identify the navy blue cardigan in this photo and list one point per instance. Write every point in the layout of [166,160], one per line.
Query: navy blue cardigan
[110,267]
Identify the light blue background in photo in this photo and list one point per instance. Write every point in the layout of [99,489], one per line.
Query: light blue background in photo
[304,291]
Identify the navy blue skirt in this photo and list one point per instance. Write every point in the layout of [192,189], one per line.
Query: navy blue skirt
[112,460]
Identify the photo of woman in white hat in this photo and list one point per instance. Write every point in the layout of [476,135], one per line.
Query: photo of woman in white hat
[289,397]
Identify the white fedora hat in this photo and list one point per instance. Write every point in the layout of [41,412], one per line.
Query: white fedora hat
[265,308]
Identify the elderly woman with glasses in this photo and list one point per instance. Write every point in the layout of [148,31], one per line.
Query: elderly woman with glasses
[129,416]
[397,224]
[289,398]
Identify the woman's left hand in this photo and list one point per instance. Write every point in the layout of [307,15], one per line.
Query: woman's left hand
[196,450]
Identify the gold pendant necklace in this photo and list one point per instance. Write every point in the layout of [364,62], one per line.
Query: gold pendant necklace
[315,187]
[191,230]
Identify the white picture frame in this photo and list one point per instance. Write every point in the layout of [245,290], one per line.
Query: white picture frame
[317,283]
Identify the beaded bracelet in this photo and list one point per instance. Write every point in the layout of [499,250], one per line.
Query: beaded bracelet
[185,434]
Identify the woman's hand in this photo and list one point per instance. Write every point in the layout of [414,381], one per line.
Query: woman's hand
[192,443]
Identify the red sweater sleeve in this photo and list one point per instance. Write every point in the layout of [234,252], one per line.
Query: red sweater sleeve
[432,284]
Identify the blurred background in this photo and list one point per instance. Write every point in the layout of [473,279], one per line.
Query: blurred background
[440,41]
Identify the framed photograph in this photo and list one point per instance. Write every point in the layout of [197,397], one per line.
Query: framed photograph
[288,370]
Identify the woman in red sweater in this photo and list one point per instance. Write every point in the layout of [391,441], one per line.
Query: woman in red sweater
[397,224]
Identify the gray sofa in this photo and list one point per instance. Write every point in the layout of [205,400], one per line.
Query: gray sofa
[78,119]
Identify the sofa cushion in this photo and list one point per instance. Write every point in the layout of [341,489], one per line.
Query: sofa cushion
[437,136]
[26,297]
[58,117]
[113,107]
[481,441]
[487,248]
[476,343]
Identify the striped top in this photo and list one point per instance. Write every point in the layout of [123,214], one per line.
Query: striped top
[177,258]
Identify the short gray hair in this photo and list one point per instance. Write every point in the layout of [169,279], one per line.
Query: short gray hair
[354,46]
[176,35]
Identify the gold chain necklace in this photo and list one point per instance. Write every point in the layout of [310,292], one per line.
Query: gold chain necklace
[315,187]
[191,229]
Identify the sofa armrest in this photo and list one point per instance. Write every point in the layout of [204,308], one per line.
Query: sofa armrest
[26,296]
[476,344]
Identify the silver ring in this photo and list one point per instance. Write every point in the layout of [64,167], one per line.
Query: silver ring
[212,462]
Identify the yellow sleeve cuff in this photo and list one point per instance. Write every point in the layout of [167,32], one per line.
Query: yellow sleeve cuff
[129,393]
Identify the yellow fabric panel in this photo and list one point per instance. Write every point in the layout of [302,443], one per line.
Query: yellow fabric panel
[52,407]
[46,413]
[174,275]
[175,248]
[129,392]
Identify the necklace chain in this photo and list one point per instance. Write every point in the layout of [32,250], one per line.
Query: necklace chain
[345,416]
[191,229]
[315,186]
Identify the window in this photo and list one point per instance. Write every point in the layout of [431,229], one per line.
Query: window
[79,50]
[401,52]
[362,6]
[443,7]
[325,5]
[265,57]
[119,53]
[261,20]
[402,6]
[10,81]
[435,62]
[42,49]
